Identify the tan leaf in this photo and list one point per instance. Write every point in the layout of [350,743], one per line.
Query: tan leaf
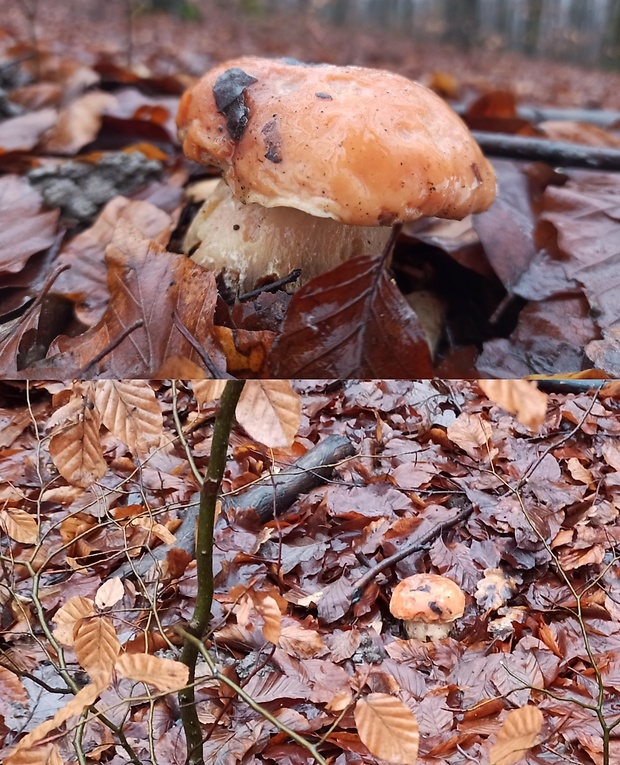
[19,525]
[158,529]
[207,390]
[165,674]
[67,616]
[611,453]
[12,689]
[130,411]
[300,642]
[270,611]
[75,448]
[470,432]
[519,397]
[48,754]
[518,733]
[96,645]
[81,701]
[387,728]
[578,471]
[79,122]
[339,701]
[110,593]
[270,411]
[63,495]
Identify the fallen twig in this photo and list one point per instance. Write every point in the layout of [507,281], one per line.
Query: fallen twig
[418,544]
[558,153]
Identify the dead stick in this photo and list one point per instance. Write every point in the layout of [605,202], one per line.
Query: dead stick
[559,153]
[278,491]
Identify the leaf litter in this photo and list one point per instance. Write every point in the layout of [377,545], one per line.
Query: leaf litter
[530,287]
[293,618]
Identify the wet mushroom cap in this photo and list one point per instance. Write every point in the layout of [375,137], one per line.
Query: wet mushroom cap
[363,146]
[427,598]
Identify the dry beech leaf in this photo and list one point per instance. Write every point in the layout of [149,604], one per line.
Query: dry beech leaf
[165,674]
[578,471]
[96,645]
[519,397]
[19,525]
[13,691]
[157,529]
[69,615]
[387,728]
[110,593]
[518,733]
[207,390]
[76,448]
[78,123]
[270,411]
[48,754]
[81,701]
[24,230]
[131,412]
[270,611]
[469,432]
[299,642]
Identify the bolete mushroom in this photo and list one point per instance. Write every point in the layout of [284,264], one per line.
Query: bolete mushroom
[428,604]
[319,161]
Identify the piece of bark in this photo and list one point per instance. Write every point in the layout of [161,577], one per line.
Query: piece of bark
[274,493]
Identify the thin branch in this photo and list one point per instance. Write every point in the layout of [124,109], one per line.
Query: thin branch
[216,373]
[216,674]
[204,563]
[272,287]
[557,153]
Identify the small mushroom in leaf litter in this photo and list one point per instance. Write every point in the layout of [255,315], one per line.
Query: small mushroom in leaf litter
[318,162]
[428,604]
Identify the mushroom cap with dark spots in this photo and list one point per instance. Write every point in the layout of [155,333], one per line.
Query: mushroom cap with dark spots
[362,146]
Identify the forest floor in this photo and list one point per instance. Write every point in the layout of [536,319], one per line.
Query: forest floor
[98,571]
[96,191]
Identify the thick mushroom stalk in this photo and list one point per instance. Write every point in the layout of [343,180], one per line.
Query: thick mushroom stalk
[251,245]
[362,147]
[428,604]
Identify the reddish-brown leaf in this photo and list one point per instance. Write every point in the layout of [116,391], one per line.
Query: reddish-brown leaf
[351,322]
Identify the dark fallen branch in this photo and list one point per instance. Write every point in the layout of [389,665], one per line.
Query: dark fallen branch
[557,153]
[416,545]
[276,493]
[273,494]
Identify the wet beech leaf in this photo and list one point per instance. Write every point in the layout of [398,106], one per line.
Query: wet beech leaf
[351,322]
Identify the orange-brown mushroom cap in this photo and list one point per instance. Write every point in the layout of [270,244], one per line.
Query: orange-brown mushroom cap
[427,598]
[362,146]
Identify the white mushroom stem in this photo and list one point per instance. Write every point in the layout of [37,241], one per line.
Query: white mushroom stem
[420,630]
[251,245]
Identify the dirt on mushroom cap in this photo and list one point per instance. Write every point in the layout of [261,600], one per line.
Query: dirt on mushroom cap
[363,146]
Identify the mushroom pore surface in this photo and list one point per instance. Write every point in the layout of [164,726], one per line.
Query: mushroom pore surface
[362,146]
